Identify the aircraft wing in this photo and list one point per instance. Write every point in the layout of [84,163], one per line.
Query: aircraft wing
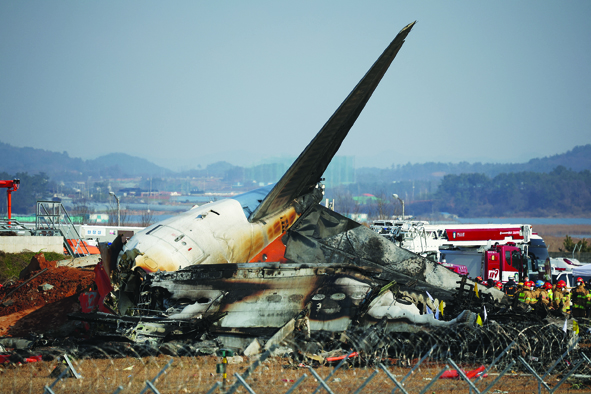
[306,171]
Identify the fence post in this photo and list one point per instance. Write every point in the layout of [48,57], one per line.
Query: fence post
[48,389]
[416,366]
[243,382]
[463,375]
[392,378]
[540,380]
[69,368]
[366,381]
[322,382]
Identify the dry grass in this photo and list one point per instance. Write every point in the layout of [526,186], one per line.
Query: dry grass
[554,234]
[197,375]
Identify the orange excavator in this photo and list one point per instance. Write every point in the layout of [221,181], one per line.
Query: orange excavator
[11,186]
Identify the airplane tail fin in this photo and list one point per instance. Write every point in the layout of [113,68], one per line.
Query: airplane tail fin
[306,171]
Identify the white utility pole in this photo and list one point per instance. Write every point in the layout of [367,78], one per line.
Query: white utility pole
[118,209]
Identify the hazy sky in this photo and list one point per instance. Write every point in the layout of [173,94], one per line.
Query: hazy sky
[184,83]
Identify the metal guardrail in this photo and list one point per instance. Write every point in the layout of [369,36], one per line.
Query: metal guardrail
[53,219]
[14,226]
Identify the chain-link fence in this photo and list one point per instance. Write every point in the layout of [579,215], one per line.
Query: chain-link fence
[584,257]
[490,359]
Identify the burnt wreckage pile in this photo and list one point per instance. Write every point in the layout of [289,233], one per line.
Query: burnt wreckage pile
[350,289]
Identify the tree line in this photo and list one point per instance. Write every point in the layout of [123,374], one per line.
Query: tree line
[568,245]
[560,192]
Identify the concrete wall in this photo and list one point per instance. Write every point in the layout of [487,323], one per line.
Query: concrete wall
[34,244]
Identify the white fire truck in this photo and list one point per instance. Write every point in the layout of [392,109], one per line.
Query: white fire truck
[473,246]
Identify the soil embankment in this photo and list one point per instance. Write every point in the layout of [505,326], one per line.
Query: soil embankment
[41,303]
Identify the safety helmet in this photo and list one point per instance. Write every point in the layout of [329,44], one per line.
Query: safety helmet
[547,286]
[520,283]
[539,283]
[499,285]
[561,283]
[478,279]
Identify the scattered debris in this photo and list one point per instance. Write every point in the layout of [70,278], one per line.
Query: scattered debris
[37,263]
[453,374]
[46,287]
[41,302]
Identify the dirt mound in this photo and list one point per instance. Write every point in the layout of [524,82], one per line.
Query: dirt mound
[11,264]
[37,263]
[49,318]
[52,285]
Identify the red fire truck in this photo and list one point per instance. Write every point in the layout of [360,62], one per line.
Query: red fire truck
[464,245]
[502,262]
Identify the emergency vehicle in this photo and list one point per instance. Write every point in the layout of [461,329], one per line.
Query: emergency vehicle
[466,244]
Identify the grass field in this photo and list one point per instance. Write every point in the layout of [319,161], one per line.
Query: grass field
[11,264]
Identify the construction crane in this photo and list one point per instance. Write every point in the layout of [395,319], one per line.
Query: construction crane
[11,186]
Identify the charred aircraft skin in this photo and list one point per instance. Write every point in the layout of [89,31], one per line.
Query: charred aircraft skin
[257,299]
[340,273]
[190,275]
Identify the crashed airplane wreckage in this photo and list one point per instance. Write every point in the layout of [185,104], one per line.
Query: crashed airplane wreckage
[247,266]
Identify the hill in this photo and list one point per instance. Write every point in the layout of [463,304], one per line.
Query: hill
[126,165]
[60,166]
[577,159]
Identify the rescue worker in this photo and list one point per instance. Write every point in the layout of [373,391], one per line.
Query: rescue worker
[527,293]
[520,287]
[510,287]
[579,299]
[545,294]
[569,294]
[536,292]
[561,299]
[499,285]
[548,288]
